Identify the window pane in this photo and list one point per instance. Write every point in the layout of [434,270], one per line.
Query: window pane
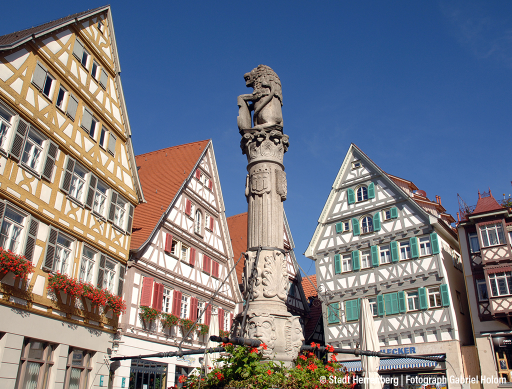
[74,380]
[31,375]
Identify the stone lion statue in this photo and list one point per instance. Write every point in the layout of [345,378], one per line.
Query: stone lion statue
[265,102]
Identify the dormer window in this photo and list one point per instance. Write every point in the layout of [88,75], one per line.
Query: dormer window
[356,164]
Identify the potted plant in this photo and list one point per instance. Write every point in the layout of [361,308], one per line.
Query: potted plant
[202,329]
[17,264]
[63,285]
[224,333]
[114,303]
[169,320]
[185,325]
[93,297]
[148,314]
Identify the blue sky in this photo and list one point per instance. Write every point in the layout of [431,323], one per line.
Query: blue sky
[424,88]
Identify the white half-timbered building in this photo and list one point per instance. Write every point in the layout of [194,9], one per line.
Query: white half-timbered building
[180,255]
[379,237]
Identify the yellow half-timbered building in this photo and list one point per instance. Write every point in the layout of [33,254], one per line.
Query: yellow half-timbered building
[68,189]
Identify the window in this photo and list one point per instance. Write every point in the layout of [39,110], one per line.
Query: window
[61,98]
[184,307]
[501,283]
[112,144]
[36,363]
[367,224]
[103,137]
[167,301]
[103,79]
[481,287]
[85,58]
[12,228]
[200,307]
[425,248]
[78,369]
[362,193]
[48,86]
[32,152]
[385,254]
[373,306]
[89,123]
[356,164]
[346,263]
[365,259]
[434,297]
[5,126]
[413,301]
[492,235]
[227,324]
[184,253]
[87,265]
[43,80]
[119,211]
[100,27]
[174,248]
[63,251]
[100,198]
[77,188]
[197,228]
[95,71]
[387,214]
[109,275]
[405,250]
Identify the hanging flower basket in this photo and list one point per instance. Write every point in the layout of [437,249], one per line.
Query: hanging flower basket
[169,320]
[185,325]
[17,264]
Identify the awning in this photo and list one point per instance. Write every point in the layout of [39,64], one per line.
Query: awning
[500,269]
[394,364]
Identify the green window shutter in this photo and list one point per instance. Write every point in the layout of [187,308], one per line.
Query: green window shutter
[380,305]
[435,243]
[394,303]
[422,295]
[339,227]
[387,303]
[337,264]
[358,308]
[349,312]
[445,295]
[351,197]
[394,212]
[355,227]
[376,222]
[356,265]
[375,256]
[391,303]
[394,251]
[371,191]
[414,247]
[333,310]
[401,302]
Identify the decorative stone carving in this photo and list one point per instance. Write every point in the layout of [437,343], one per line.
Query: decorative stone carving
[260,180]
[275,276]
[281,186]
[294,336]
[263,327]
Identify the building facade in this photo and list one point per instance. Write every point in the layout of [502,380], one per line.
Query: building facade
[380,238]
[485,235]
[180,256]
[68,189]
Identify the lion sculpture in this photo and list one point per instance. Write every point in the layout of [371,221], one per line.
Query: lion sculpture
[265,101]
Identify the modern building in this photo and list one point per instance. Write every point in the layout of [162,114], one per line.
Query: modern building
[68,189]
[485,235]
[379,237]
[180,257]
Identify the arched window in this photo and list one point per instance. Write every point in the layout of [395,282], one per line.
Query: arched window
[362,193]
[197,228]
[367,224]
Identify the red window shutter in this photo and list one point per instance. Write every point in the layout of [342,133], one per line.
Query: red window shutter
[206,264]
[161,297]
[211,223]
[156,289]
[198,174]
[230,320]
[221,319]
[208,315]
[188,207]
[210,184]
[215,269]
[192,256]
[147,289]
[176,303]
[168,243]
[193,309]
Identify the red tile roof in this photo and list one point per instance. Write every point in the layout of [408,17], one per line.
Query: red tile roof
[315,309]
[161,174]
[237,226]
[309,291]
[487,204]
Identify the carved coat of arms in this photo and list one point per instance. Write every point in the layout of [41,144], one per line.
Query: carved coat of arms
[260,181]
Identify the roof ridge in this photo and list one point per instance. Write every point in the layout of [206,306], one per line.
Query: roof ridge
[172,147]
[237,215]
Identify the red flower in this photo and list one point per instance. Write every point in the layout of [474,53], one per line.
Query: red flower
[269,372]
[299,367]
[313,344]
[254,350]
[333,358]
[263,346]
[182,379]
[303,357]
[330,368]
[312,367]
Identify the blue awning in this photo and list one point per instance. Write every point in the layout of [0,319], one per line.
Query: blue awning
[394,364]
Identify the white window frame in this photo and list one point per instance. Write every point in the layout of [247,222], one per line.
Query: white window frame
[49,93]
[100,26]
[86,56]
[64,100]
[360,194]
[184,306]
[184,253]
[405,248]
[482,291]
[7,119]
[200,307]
[368,220]
[167,300]
[207,221]
[366,256]
[413,300]
[506,282]
[198,222]
[385,254]
[425,247]
[175,247]
[75,191]
[498,232]
[58,264]
[386,214]
[109,275]
[95,74]
[87,265]
[346,263]
[120,212]
[31,142]
[373,306]
[227,327]
[102,141]
[99,195]
[434,293]
[9,226]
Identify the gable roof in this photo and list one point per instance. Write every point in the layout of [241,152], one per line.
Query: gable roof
[315,312]
[486,203]
[162,174]
[237,225]
[309,291]
[14,39]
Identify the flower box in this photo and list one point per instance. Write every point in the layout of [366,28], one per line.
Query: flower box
[17,264]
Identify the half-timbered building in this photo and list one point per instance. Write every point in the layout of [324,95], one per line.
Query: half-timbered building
[180,257]
[379,237]
[68,189]
[314,327]
[485,235]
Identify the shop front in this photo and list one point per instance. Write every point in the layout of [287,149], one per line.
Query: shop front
[146,374]
[502,346]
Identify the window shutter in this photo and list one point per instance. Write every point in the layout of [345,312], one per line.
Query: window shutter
[230,321]
[393,212]
[348,310]
[401,302]
[104,79]
[394,251]
[351,198]
[156,290]
[131,209]
[177,303]
[339,227]
[30,241]
[192,260]
[211,223]
[39,76]
[112,144]
[188,207]
[422,295]
[2,211]
[210,184]
[193,309]
[72,107]
[92,189]
[337,264]
[375,256]
[387,304]
[198,174]
[445,295]
[206,264]
[168,243]
[355,260]
[414,247]
[50,249]
[435,243]
[215,266]
[69,165]
[221,319]
[122,271]
[19,139]
[394,303]
[86,120]
[355,226]
[112,210]
[101,271]
[376,222]
[51,155]
[333,315]
[380,305]
[208,315]
[371,191]
[78,50]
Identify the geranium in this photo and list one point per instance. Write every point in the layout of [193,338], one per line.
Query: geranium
[182,379]
[313,344]
[263,346]
[116,303]
[203,329]
[312,367]
[10,262]
[169,320]
[186,324]
[254,350]
[269,372]
[302,356]
[148,313]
